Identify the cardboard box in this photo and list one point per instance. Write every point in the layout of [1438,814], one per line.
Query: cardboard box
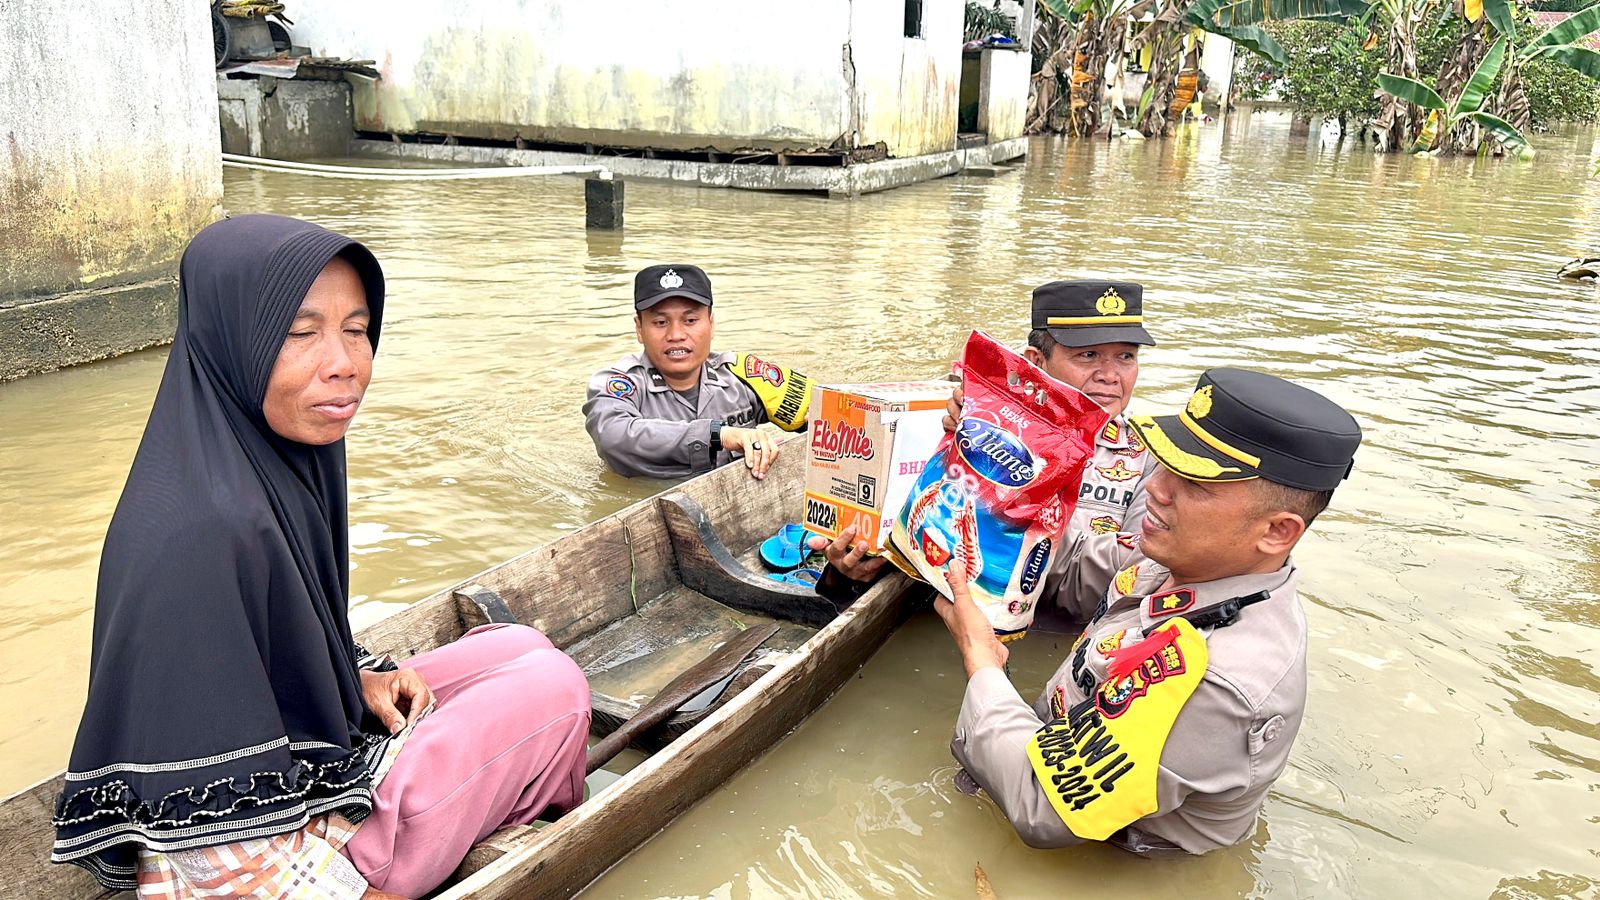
[868,443]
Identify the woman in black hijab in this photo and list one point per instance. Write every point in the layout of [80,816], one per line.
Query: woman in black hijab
[227,708]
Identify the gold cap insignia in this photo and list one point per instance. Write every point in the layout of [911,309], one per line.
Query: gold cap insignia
[1200,403]
[1111,303]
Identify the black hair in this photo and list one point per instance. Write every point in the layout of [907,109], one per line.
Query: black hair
[1303,503]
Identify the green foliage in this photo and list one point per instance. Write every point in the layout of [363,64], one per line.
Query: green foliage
[1328,72]
[982,21]
[1254,38]
[1556,93]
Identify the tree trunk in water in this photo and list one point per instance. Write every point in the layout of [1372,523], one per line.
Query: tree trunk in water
[1453,76]
[1166,54]
[1052,41]
[1097,42]
[1394,127]
[1512,103]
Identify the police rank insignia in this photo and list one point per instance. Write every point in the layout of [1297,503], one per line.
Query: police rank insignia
[1123,584]
[1200,404]
[1171,602]
[1113,430]
[1117,471]
[671,281]
[620,388]
[1111,303]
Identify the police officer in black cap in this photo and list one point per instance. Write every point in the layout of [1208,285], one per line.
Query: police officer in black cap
[676,407]
[1174,712]
[1087,334]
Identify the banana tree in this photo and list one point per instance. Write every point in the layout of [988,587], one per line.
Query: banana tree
[1165,38]
[1559,43]
[1467,106]
[1398,19]
[1102,30]
[1053,37]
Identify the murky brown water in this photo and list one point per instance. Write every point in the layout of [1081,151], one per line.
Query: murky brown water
[1453,735]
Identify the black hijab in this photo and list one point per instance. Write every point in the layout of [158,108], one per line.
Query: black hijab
[224,698]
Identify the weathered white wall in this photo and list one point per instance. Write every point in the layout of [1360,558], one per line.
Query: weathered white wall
[108,141]
[1216,60]
[907,89]
[679,74]
[1003,94]
[686,73]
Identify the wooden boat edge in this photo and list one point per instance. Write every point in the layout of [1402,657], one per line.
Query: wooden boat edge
[565,857]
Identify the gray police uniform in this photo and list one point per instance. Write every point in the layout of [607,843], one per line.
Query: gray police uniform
[640,426]
[1230,742]
[1210,697]
[1112,495]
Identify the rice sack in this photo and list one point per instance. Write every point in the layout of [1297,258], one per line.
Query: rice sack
[996,496]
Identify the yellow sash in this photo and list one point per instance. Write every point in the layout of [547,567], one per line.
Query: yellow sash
[1098,765]
[785,393]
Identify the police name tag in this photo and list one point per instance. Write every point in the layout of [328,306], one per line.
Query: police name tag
[1098,765]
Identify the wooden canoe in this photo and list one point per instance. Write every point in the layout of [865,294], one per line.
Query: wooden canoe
[635,598]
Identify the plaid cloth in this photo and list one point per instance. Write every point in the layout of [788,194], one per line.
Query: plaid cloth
[302,864]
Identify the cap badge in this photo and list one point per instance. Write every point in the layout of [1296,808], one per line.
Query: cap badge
[671,281]
[1111,303]
[1200,403]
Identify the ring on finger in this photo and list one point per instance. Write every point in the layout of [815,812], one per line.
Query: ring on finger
[755,445]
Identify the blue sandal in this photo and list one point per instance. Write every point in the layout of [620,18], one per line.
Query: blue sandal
[803,577]
[786,549]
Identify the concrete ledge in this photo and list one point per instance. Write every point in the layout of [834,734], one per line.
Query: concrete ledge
[83,326]
[836,181]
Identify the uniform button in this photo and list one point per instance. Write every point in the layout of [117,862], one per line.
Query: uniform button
[1273,729]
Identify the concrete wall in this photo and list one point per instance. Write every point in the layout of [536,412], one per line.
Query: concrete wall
[672,74]
[285,119]
[1216,60]
[907,89]
[108,165]
[1003,94]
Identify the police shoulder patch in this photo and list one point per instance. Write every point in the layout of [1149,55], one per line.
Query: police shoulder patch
[1123,583]
[620,387]
[1171,602]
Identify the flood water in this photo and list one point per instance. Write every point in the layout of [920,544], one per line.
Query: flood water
[1452,738]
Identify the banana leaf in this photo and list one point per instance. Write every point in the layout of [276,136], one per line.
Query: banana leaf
[1473,9]
[1581,59]
[1253,12]
[1428,134]
[1059,8]
[1144,102]
[1411,91]
[1202,14]
[1503,131]
[1481,82]
[1499,13]
[1567,31]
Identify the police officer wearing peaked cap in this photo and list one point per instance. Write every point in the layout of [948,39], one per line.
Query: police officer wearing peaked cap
[677,408]
[1175,710]
[1087,334]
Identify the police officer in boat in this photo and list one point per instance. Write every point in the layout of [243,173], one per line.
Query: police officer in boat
[1174,712]
[676,408]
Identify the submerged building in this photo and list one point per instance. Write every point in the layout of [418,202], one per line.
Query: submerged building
[844,96]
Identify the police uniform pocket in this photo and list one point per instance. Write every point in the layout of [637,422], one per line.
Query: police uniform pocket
[1264,734]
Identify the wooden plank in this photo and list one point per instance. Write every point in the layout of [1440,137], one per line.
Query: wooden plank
[706,565]
[565,857]
[25,839]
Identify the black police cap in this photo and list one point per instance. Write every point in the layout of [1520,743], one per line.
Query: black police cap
[654,284]
[1082,313]
[1240,425]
